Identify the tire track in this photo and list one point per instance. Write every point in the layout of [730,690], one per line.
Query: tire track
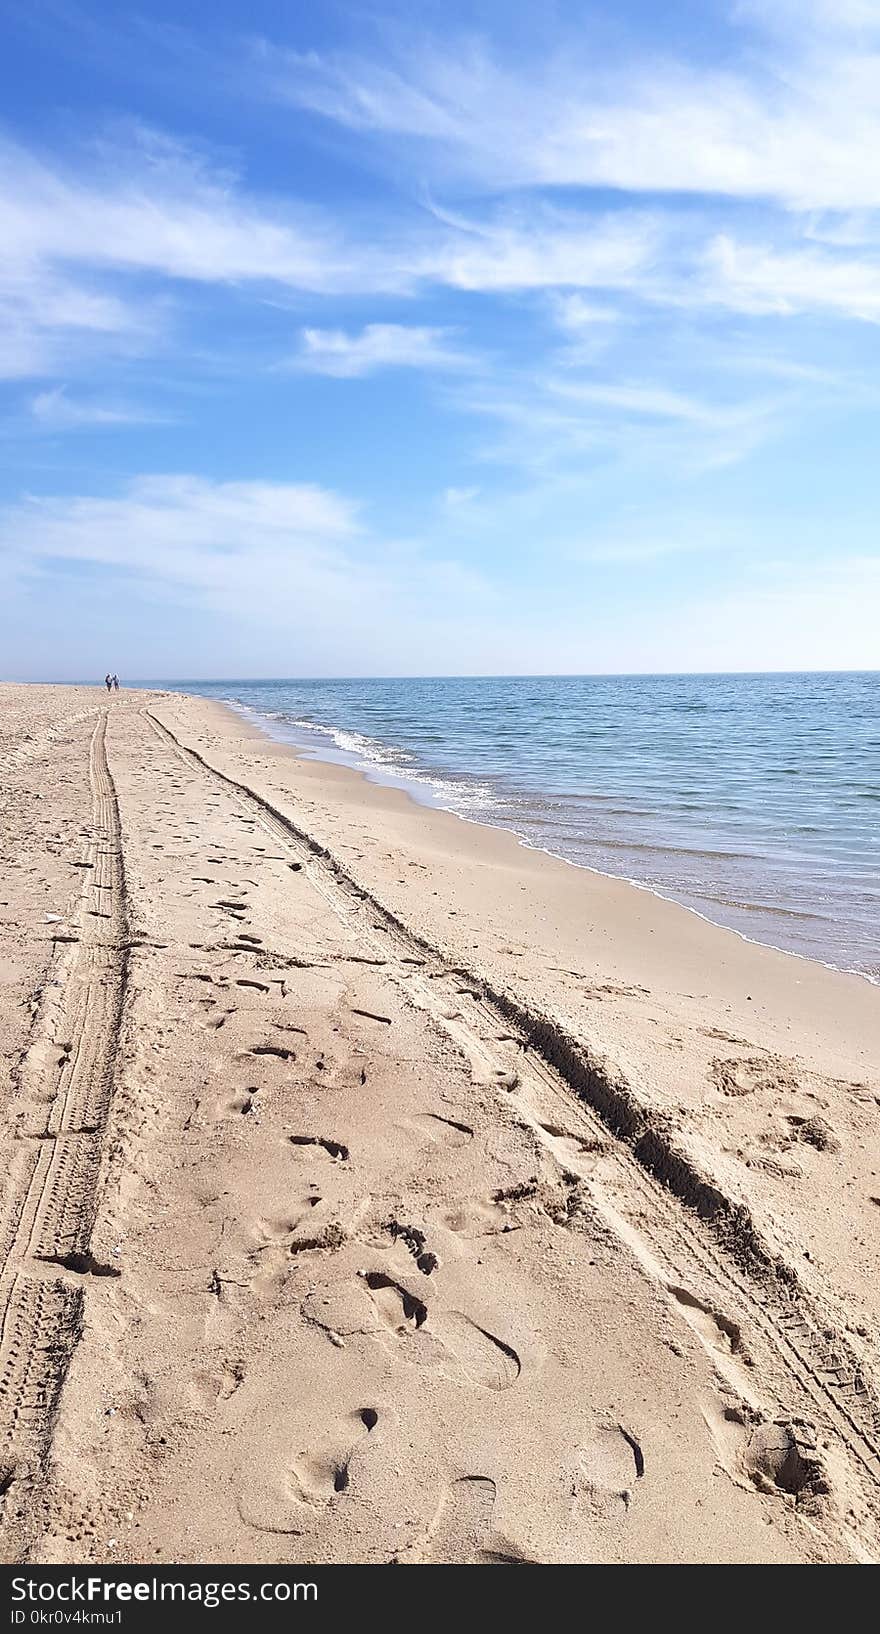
[678,1221]
[36,748]
[64,1084]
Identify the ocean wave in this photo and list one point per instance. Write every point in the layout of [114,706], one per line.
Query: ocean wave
[368,754]
[353,743]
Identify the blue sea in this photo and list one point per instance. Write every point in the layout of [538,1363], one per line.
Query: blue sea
[752,799]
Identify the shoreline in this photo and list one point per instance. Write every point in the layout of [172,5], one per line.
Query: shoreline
[677,1003]
[407,787]
[341,1134]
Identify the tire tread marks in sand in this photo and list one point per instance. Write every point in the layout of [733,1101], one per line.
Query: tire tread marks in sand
[49,1212]
[707,1233]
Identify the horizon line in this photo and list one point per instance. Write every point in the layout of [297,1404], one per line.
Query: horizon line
[174,682]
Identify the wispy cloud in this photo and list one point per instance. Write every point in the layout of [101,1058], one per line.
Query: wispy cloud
[185,529]
[47,316]
[290,557]
[759,279]
[377,346]
[96,254]
[811,19]
[575,423]
[784,129]
[790,124]
[56,411]
[459,500]
[577,317]
[151,205]
[91,251]
[648,402]
[624,270]
[540,247]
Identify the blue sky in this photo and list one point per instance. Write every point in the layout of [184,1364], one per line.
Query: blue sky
[422,338]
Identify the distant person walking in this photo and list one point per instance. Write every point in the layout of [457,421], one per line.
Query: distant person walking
[116,683]
[108,681]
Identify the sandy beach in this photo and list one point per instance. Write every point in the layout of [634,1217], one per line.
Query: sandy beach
[377,1189]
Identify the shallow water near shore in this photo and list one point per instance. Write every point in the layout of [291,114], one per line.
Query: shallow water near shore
[752,799]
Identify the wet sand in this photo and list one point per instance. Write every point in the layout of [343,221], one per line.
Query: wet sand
[377,1189]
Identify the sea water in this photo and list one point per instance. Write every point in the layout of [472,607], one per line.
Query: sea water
[752,799]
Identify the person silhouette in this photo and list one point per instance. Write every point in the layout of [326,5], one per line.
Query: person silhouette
[108,681]
[116,683]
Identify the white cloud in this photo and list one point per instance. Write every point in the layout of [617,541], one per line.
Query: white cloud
[377,346]
[613,365]
[754,278]
[288,576]
[183,529]
[155,209]
[459,499]
[152,207]
[90,254]
[793,18]
[85,246]
[788,122]
[569,426]
[542,248]
[46,317]
[793,123]
[576,316]
[58,412]
[288,557]
[652,402]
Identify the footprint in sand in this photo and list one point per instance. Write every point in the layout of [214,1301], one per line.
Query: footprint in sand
[719,1334]
[239,1104]
[814,1131]
[479,1217]
[216,1022]
[210,1388]
[567,1144]
[483,1358]
[782,1457]
[753,1074]
[376,1302]
[334,1149]
[514,1208]
[318,1480]
[416,1242]
[396,1307]
[776,1456]
[342,1309]
[315,1480]
[278,1241]
[458,1530]
[610,1464]
[438,1130]
[278,1230]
